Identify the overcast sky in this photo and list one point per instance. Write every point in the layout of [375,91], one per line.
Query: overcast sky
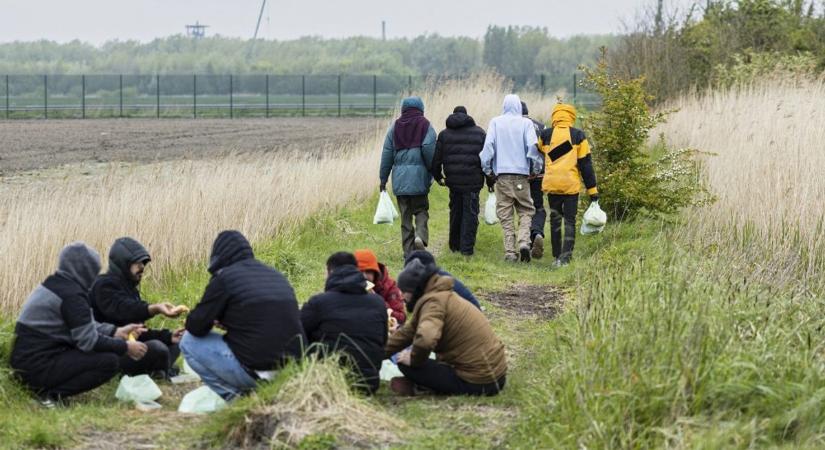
[97,21]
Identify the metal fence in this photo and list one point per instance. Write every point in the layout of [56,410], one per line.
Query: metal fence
[230,96]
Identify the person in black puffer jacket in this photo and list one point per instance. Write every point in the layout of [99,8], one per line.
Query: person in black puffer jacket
[256,306]
[348,319]
[457,165]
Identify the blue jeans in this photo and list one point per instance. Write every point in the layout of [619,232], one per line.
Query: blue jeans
[214,362]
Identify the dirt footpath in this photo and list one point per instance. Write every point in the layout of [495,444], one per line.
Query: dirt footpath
[40,144]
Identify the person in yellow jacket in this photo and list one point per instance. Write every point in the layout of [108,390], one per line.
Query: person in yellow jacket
[568,165]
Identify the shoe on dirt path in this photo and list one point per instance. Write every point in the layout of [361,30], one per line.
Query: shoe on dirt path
[402,386]
[419,244]
[525,254]
[538,247]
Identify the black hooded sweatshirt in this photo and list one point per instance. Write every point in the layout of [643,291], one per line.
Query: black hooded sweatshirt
[253,301]
[349,319]
[115,296]
[456,154]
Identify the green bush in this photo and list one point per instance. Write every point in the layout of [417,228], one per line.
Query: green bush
[754,66]
[634,179]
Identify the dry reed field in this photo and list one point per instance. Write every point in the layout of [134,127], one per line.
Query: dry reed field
[768,171]
[177,208]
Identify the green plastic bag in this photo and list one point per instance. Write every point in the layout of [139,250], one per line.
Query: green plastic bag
[139,389]
[202,400]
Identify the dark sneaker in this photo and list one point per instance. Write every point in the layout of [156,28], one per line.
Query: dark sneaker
[525,254]
[419,244]
[538,247]
[48,401]
[402,386]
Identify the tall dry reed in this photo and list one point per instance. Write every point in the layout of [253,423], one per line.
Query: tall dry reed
[177,208]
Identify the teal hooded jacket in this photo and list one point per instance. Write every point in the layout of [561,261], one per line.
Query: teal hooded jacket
[410,167]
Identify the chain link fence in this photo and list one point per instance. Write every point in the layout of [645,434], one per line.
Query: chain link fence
[230,96]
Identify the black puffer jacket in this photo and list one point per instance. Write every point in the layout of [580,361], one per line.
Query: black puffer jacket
[347,318]
[456,154]
[253,301]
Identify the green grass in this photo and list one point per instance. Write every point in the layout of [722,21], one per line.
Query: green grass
[661,343]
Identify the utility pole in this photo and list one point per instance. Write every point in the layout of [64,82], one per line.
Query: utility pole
[257,26]
[383,30]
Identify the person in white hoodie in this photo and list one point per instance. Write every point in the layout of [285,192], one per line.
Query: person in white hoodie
[509,157]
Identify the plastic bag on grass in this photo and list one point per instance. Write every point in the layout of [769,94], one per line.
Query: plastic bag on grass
[201,401]
[385,212]
[490,216]
[139,389]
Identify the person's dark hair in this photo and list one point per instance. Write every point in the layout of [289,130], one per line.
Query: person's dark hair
[422,255]
[523,109]
[460,109]
[339,259]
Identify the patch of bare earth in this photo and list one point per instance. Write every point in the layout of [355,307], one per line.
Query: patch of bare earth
[542,302]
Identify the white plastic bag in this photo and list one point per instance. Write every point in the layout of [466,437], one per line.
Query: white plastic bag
[389,370]
[490,216]
[385,212]
[139,389]
[594,219]
[201,401]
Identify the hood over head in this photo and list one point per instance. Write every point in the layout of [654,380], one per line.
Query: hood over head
[422,255]
[460,120]
[125,252]
[512,105]
[79,262]
[412,102]
[410,130]
[347,279]
[229,248]
[524,110]
[564,115]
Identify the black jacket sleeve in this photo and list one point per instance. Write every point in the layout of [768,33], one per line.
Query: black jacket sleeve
[310,317]
[210,308]
[84,330]
[586,169]
[438,160]
[118,305]
[164,336]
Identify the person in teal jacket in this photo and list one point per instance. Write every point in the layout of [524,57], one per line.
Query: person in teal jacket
[408,154]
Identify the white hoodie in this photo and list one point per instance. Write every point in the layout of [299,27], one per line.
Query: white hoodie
[511,146]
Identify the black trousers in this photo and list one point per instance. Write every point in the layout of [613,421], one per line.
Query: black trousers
[158,358]
[537,226]
[464,211]
[563,208]
[442,379]
[73,372]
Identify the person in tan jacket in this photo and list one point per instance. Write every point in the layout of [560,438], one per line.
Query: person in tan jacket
[470,357]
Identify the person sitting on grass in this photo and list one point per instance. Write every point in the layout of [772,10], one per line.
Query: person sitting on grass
[470,358]
[256,306]
[59,350]
[116,299]
[378,274]
[427,258]
[347,318]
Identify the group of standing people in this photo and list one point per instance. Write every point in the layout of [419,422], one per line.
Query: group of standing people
[79,328]
[520,159]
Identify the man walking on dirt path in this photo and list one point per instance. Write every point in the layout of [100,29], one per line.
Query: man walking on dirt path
[408,154]
[457,165]
[509,157]
[537,225]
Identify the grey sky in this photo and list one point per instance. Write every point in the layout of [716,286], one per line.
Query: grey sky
[97,21]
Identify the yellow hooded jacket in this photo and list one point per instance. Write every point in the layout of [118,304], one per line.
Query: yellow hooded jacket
[567,158]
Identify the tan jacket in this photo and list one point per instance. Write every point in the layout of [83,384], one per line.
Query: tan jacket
[459,334]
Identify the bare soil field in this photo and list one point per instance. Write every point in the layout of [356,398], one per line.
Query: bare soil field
[38,144]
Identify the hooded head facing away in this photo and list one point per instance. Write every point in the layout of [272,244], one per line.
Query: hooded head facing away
[564,116]
[79,262]
[422,255]
[413,279]
[414,102]
[125,252]
[524,111]
[512,105]
[460,119]
[229,248]
[411,128]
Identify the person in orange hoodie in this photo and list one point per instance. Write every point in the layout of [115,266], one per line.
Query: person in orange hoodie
[385,286]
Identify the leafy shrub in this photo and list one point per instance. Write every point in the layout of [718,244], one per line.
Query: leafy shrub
[755,66]
[632,179]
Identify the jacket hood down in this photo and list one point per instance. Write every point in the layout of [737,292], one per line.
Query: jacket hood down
[125,252]
[563,116]
[347,279]
[229,248]
[512,105]
[460,120]
[80,263]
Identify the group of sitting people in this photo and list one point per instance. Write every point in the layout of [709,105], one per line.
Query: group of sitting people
[79,329]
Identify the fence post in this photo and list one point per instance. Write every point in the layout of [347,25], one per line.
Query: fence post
[121,95]
[45,96]
[303,95]
[542,86]
[157,93]
[83,96]
[267,96]
[231,99]
[375,95]
[195,96]
[575,86]
[339,95]
[7,97]
[409,85]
